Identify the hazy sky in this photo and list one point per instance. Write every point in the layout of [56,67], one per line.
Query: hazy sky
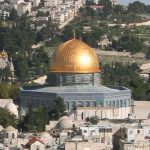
[125,2]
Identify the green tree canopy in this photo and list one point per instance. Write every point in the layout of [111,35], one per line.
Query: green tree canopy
[4,90]
[22,68]
[120,74]
[148,54]
[35,120]
[93,120]
[107,6]
[7,119]
[136,7]
[118,9]
[59,108]
[128,42]
[13,15]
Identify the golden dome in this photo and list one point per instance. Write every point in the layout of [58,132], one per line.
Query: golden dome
[74,56]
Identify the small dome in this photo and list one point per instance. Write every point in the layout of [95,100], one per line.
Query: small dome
[65,122]
[10,128]
[12,108]
[74,56]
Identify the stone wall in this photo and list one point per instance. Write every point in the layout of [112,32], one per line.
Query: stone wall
[71,79]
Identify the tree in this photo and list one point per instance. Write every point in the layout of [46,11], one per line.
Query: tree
[148,54]
[4,90]
[118,9]
[7,119]
[136,7]
[14,93]
[59,108]
[93,120]
[107,6]
[13,15]
[126,75]
[35,120]
[67,33]
[87,11]
[129,43]
[147,8]
[22,68]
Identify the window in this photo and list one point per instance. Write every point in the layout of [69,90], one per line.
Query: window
[97,140]
[125,136]
[13,135]
[138,131]
[121,103]
[102,140]
[37,148]
[85,131]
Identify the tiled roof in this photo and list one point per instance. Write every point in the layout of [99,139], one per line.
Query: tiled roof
[33,140]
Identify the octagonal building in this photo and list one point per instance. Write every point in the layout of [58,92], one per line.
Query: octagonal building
[74,75]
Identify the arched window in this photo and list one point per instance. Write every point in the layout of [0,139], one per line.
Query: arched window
[93,104]
[113,103]
[117,103]
[6,135]
[13,135]
[121,103]
[87,104]
[82,116]
[80,104]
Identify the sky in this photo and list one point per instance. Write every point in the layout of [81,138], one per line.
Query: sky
[126,2]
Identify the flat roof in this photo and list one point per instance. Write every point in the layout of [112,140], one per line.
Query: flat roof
[142,109]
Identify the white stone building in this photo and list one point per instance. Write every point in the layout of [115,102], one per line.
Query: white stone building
[102,112]
[134,136]
[59,18]
[36,144]
[51,3]
[24,7]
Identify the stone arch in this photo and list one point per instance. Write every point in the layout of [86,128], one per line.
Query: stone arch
[121,103]
[113,103]
[93,104]
[73,105]
[87,104]
[117,103]
[80,104]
